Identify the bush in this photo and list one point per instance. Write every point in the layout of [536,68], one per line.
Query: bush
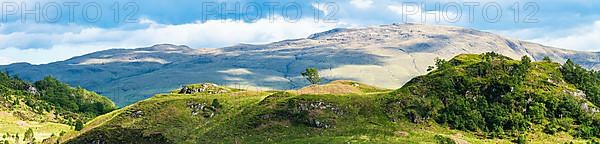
[443,140]
[78,125]
[216,104]
[547,59]
[521,139]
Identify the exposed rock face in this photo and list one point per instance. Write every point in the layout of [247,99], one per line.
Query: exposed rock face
[317,114]
[208,88]
[316,123]
[137,114]
[32,90]
[385,56]
[203,109]
[319,106]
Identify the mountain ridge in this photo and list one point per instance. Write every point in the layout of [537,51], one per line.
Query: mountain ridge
[386,56]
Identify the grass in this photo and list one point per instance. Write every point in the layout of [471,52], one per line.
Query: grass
[42,130]
[340,87]
[240,120]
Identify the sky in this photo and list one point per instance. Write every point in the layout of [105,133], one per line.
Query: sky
[41,32]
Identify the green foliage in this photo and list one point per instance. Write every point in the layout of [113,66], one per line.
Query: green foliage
[73,99]
[521,139]
[78,125]
[51,95]
[312,75]
[525,64]
[442,64]
[443,140]
[215,103]
[497,95]
[588,81]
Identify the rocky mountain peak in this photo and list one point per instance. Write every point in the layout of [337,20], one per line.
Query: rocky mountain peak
[393,34]
[169,47]
[324,34]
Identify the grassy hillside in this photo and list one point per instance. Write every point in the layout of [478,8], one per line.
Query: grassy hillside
[47,107]
[497,97]
[13,129]
[340,87]
[436,108]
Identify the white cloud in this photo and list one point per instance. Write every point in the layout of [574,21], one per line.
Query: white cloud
[362,4]
[4,60]
[415,14]
[52,46]
[583,38]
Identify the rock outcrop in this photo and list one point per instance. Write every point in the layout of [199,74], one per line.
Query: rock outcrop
[205,88]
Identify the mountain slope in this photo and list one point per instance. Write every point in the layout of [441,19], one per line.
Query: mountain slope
[257,117]
[485,98]
[384,56]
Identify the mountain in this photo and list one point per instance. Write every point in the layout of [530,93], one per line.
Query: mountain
[385,56]
[486,98]
[45,108]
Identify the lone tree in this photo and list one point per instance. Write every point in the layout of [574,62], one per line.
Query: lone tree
[312,75]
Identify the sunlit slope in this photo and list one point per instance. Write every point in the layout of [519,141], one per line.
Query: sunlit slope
[240,116]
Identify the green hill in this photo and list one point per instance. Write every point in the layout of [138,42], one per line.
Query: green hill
[485,98]
[497,97]
[48,107]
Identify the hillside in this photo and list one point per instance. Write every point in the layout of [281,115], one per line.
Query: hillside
[487,98]
[498,97]
[340,87]
[47,107]
[385,56]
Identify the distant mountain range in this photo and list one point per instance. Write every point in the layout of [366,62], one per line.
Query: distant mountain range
[384,56]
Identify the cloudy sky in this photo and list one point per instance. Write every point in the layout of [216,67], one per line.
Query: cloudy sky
[40,32]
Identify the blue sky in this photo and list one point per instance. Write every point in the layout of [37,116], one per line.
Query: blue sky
[91,26]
